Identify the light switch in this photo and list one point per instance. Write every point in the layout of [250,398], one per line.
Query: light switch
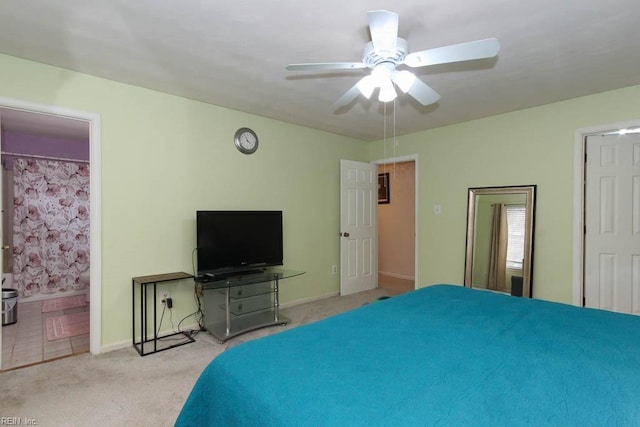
[437,209]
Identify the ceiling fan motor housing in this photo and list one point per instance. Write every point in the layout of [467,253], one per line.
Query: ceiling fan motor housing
[373,58]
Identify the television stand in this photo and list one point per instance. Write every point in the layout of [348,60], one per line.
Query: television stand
[234,305]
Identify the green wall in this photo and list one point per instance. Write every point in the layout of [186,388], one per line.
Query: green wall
[164,157]
[531,146]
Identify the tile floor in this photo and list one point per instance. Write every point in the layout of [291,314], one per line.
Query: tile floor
[25,342]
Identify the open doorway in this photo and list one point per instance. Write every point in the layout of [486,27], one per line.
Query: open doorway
[397,213]
[55,310]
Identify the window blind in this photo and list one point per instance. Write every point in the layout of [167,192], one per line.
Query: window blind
[516,219]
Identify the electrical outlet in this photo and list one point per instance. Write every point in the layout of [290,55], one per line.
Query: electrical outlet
[334,269]
[165,295]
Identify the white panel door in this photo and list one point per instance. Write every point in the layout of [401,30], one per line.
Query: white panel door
[612,219]
[358,226]
[2,231]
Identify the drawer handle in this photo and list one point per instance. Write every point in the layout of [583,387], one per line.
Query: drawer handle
[240,292]
[239,307]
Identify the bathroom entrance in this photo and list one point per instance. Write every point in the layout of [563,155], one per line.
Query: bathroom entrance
[46,238]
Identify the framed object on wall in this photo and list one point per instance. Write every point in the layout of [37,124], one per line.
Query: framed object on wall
[383,188]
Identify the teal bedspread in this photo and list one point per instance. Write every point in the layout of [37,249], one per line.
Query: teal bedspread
[442,355]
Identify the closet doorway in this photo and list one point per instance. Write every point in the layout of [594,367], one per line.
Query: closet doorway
[46,231]
[397,226]
[605,242]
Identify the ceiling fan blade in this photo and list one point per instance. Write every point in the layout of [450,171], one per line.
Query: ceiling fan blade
[384,32]
[348,96]
[423,93]
[478,49]
[326,66]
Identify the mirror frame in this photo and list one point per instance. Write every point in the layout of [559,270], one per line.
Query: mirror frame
[530,199]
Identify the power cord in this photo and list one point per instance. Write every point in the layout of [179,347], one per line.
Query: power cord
[168,303]
[164,307]
[193,261]
[198,314]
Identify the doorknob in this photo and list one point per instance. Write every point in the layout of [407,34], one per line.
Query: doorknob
[345,234]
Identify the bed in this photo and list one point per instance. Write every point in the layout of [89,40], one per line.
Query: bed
[441,355]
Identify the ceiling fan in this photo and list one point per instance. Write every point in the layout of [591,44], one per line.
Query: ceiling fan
[386,51]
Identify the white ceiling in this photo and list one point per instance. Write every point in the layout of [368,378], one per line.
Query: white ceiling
[233,54]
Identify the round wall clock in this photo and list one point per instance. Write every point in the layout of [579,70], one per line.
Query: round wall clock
[246,141]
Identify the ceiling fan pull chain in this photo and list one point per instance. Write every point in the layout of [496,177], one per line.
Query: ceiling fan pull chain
[384,137]
[394,142]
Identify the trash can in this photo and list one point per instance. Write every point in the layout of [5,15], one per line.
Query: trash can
[9,306]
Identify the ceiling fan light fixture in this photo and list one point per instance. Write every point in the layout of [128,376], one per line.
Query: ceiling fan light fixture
[387,92]
[366,86]
[381,74]
[403,79]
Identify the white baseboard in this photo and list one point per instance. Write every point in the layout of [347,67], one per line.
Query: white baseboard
[310,299]
[395,275]
[116,346]
[128,343]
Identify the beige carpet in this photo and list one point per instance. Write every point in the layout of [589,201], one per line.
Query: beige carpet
[64,303]
[69,325]
[121,388]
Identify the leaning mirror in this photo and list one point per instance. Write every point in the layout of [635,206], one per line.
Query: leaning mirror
[500,239]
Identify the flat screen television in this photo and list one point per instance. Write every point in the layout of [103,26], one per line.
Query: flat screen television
[236,241]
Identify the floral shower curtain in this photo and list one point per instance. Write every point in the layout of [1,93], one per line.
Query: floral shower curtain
[51,226]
